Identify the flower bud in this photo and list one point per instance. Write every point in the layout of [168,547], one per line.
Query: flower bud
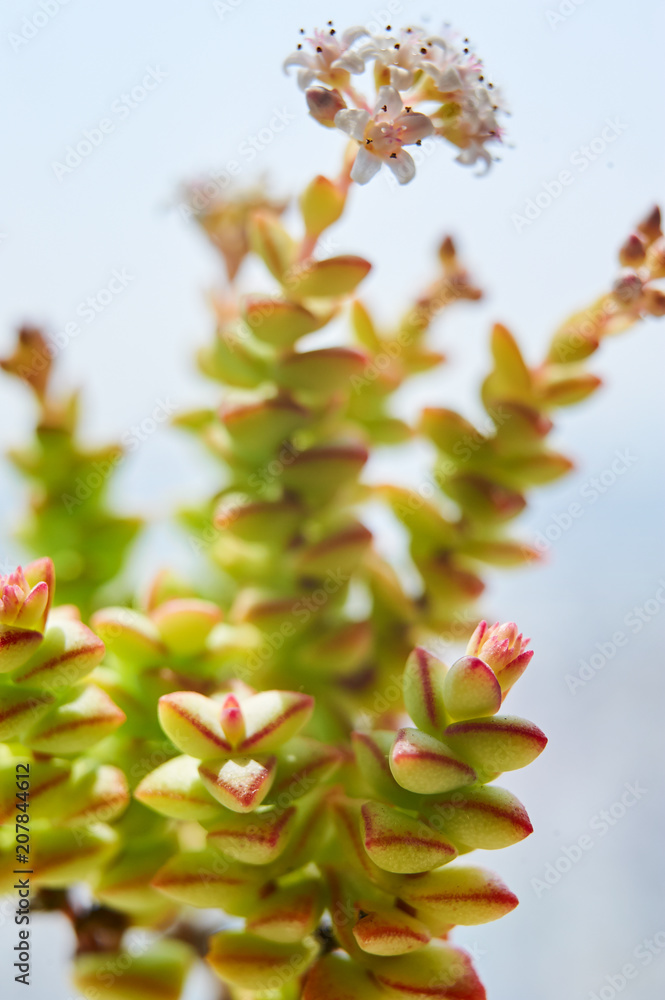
[398,843]
[241,783]
[460,895]
[25,603]
[503,649]
[633,252]
[426,766]
[232,719]
[500,743]
[324,104]
[471,689]
[256,838]
[487,818]
[390,932]
[175,789]
[253,963]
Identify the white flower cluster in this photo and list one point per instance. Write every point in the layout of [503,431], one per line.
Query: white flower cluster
[425,85]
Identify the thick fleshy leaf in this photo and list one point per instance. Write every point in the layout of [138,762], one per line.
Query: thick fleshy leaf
[460,895]
[281,323]
[340,552]
[390,932]
[47,781]
[268,523]
[471,690]
[256,838]
[438,972]
[16,646]
[61,856]
[20,708]
[96,795]
[301,765]
[326,370]
[240,783]
[70,650]
[290,913]
[126,883]
[76,725]
[175,789]
[132,636]
[208,879]
[258,429]
[126,975]
[336,977]
[398,843]
[425,765]
[321,203]
[272,718]
[320,472]
[500,743]
[184,624]
[193,723]
[270,240]
[423,681]
[372,752]
[487,818]
[329,278]
[254,963]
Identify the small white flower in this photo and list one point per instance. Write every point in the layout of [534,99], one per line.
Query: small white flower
[332,58]
[401,56]
[382,136]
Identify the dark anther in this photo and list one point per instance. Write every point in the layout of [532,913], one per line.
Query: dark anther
[393,156]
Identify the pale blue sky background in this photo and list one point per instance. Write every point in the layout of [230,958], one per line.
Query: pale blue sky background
[62,239]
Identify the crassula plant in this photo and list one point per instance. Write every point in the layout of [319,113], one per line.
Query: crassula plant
[279,743]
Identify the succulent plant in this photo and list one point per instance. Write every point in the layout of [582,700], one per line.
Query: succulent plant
[281,739]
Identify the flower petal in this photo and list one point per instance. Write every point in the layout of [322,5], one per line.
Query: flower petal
[415,126]
[401,78]
[402,166]
[365,166]
[353,122]
[389,99]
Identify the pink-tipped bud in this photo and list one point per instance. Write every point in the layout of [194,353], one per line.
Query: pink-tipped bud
[324,104]
[633,251]
[502,648]
[233,722]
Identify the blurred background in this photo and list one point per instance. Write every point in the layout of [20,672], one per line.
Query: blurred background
[565,68]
